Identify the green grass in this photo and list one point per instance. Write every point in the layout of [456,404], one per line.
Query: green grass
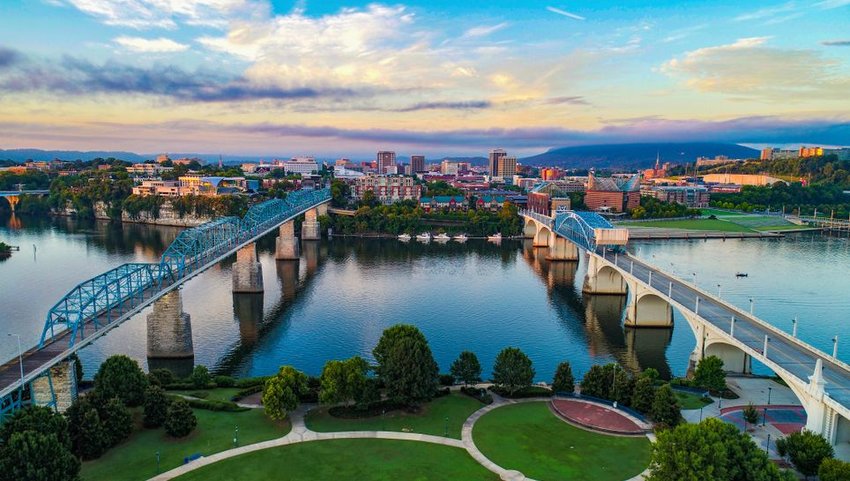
[348,459]
[135,459]
[691,224]
[784,227]
[691,401]
[217,394]
[529,438]
[430,420]
[719,213]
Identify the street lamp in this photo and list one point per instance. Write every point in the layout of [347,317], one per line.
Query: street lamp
[794,326]
[764,417]
[446,431]
[718,291]
[236,436]
[157,462]
[834,351]
[751,306]
[769,389]
[20,357]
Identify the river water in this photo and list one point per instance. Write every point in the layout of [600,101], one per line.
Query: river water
[336,301]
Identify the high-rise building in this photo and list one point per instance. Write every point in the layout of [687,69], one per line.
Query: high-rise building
[493,161]
[506,167]
[385,159]
[417,163]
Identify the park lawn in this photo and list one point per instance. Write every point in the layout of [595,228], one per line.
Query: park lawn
[691,224]
[719,213]
[529,438]
[784,227]
[691,401]
[135,458]
[430,420]
[348,459]
[217,394]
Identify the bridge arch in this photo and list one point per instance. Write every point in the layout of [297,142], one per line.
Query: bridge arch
[604,279]
[647,309]
[529,230]
[734,358]
[542,236]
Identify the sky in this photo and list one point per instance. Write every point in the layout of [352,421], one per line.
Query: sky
[438,77]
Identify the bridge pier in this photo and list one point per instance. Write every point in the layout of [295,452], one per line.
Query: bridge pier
[310,228]
[286,244]
[169,330]
[13,201]
[541,237]
[248,309]
[561,249]
[57,387]
[603,279]
[646,309]
[247,271]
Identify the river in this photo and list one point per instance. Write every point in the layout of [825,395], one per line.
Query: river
[337,300]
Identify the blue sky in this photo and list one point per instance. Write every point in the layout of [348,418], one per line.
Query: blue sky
[348,78]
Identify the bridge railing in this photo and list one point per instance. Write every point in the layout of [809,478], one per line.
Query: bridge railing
[107,296]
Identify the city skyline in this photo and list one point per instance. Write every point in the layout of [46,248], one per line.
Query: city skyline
[255,77]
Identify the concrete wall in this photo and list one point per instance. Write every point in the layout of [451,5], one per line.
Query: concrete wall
[64,381]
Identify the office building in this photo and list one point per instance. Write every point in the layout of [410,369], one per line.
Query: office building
[417,163]
[493,161]
[385,160]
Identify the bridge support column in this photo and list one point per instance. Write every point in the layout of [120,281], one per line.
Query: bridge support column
[561,249]
[169,329]
[647,309]
[529,229]
[13,201]
[286,244]
[310,227]
[247,271]
[541,237]
[248,309]
[603,279]
[57,387]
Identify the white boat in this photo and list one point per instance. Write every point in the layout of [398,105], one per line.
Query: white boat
[442,237]
[495,237]
[425,236]
[460,238]
[404,237]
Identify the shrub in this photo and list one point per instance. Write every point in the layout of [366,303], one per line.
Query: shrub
[512,370]
[526,392]
[224,381]
[210,405]
[161,377]
[446,380]
[156,407]
[564,380]
[806,451]
[248,391]
[89,439]
[834,470]
[597,381]
[643,395]
[247,382]
[665,407]
[179,419]
[200,377]
[709,374]
[36,456]
[480,394]
[119,376]
[36,418]
[117,421]
[466,368]
[751,414]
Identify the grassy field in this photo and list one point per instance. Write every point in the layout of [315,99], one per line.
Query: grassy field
[135,459]
[691,401]
[351,459]
[431,420]
[784,227]
[218,394]
[692,224]
[719,213]
[529,438]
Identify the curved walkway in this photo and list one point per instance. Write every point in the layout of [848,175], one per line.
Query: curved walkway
[300,434]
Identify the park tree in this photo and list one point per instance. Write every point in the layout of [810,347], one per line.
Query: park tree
[282,392]
[33,455]
[512,370]
[833,470]
[200,377]
[121,376]
[406,365]
[665,407]
[117,420]
[466,368]
[709,374]
[644,394]
[751,414]
[41,419]
[624,386]
[597,381]
[179,419]
[161,377]
[564,381]
[89,438]
[156,407]
[806,451]
[343,381]
[710,451]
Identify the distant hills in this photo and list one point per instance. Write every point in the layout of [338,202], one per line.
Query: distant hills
[635,156]
[21,155]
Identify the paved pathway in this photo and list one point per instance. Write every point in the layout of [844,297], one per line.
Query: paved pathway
[300,433]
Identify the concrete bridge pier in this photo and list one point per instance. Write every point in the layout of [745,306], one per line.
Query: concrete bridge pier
[286,244]
[646,309]
[310,228]
[170,329]
[248,309]
[603,279]
[57,387]
[561,249]
[247,271]
[13,201]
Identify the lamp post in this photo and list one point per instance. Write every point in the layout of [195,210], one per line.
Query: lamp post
[764,417]
[767,446]
[446,431]
[794,327]
[157,462]
[20,357]
[769,390]
[236,436]
[718,291]
[834,349]
[751,306]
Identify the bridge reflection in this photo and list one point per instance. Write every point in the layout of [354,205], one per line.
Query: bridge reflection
[600,317]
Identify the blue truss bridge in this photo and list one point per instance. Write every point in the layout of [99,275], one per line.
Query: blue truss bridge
[96,305]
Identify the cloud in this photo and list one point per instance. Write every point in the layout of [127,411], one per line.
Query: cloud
[467,105]
[573,100]
[836,43]
[145,45]
[8,57]
[565,13]
[484,30]
[144,14]
[750,68]
[773,14]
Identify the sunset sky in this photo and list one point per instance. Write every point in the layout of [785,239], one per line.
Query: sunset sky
[327,78]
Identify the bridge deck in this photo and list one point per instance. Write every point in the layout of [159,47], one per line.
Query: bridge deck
[787,352]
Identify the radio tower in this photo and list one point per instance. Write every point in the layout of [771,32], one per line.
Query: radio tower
[220,163]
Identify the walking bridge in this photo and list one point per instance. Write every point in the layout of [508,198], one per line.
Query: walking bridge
[819,380]
[95,306]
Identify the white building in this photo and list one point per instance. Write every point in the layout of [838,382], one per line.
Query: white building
[301,165]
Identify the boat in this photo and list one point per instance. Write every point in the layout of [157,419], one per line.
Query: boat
[442,237]
[460,238]
[497,237]
[425,236]
[404,237]
[741,274]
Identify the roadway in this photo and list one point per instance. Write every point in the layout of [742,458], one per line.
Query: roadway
[790,354]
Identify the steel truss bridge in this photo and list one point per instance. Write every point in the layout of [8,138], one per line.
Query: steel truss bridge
[582,228]
[101,303]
